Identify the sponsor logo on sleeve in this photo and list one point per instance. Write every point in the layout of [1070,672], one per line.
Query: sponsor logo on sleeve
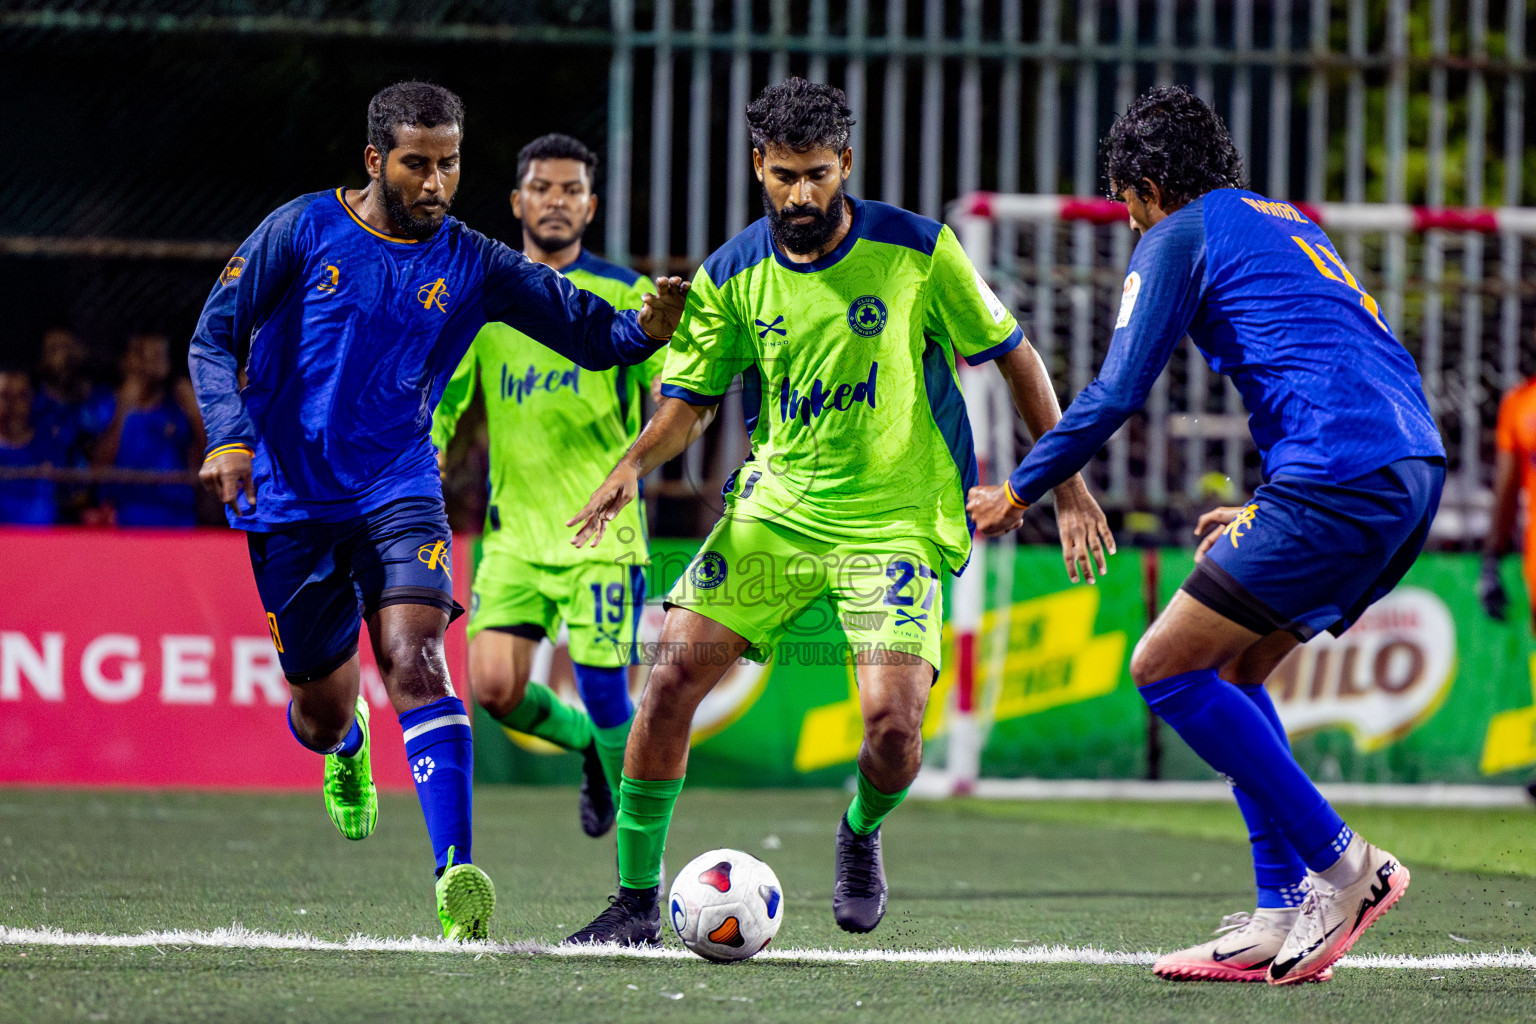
[1128,299]
[232,270]
[989,298]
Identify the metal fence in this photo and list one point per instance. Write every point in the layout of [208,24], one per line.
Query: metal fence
[1193,446]
[1329,100]
[1357,101]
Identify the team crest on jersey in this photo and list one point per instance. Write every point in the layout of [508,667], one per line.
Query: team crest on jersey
[867,316]
[708,571]
[434,295]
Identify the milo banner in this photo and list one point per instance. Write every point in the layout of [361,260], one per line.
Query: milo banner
[1424,688]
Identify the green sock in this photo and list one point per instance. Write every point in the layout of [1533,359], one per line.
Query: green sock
[610,751]
[870,806]
[546,716]
[645,811]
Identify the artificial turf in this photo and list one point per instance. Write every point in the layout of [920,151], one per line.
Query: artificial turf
[967,874]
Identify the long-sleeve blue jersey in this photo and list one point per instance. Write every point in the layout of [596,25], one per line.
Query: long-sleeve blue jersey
[1330,392]
[353,336]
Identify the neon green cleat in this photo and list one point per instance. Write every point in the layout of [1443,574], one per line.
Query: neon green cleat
[465,901]
[350,797]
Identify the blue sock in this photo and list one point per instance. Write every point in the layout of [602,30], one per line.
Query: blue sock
[605,692]
[1277,868]
[441,752]
[1234,737]
[350,744]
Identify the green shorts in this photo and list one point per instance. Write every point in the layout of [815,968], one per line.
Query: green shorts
[760,579]
[600,602]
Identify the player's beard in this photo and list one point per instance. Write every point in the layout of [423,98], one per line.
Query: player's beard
[553,242]
[803,239]
[410,225]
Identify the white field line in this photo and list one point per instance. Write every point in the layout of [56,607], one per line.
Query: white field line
[940,785]
[238,937]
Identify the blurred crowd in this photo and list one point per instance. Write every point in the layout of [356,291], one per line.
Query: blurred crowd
[81,444]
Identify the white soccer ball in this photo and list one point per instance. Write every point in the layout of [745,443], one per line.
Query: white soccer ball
[726,905]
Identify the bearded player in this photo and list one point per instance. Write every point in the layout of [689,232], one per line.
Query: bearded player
[357,305]
[844,318]
[1353,469]
[555,430]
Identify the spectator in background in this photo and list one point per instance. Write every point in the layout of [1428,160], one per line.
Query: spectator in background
[1514,471]
[155,426]
[69,405]
[25,444]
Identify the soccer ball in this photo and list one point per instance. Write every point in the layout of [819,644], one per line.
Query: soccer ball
[726,905]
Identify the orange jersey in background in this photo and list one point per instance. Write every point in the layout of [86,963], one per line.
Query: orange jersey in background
[1516,433]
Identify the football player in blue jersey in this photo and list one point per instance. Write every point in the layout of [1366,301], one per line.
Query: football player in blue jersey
[1353,468]
[358,305]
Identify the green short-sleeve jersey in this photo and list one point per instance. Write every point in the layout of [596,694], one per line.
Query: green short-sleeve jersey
[858,426]
[556,430]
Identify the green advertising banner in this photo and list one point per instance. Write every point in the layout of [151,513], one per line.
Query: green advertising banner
[1424,688]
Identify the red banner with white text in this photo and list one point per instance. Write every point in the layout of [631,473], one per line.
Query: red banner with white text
[142,658]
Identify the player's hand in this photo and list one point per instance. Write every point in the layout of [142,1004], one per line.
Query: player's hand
[226,475]
[617,491]
[1490,590]
[992,512]
[442,465]
[1085,536]
[1220,518]
[661,312]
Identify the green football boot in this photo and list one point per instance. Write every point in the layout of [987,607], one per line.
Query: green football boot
[350,797]
[465,901]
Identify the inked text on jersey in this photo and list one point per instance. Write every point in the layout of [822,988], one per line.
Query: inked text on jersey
[822,398]
[520,387]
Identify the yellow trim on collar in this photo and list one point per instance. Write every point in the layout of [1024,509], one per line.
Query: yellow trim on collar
[364,225]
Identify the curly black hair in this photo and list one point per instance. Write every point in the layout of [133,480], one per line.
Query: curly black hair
[1170,136]
[555,146]
[801,116]
[415,103]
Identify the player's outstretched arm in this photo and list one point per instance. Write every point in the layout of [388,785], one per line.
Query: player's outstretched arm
[1162,295]
[676,425]
[579,325]
[1085,534]
[660,312]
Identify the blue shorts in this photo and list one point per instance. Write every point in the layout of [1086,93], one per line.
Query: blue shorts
[1308,555]
[318,581]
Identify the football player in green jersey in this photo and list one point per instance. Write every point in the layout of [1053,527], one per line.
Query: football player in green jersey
[844,318]
[555,430]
